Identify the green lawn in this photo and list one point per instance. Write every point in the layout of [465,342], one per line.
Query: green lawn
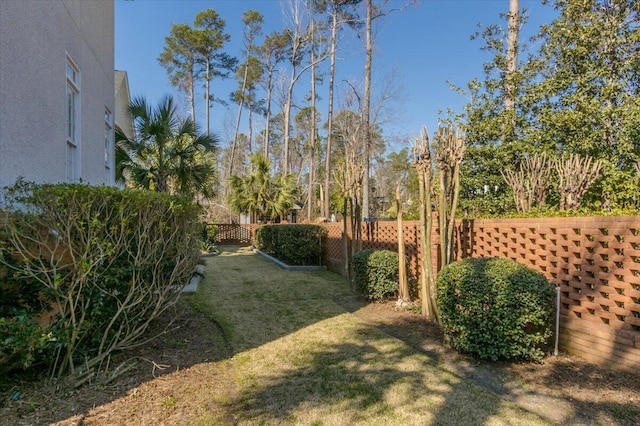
[299,358]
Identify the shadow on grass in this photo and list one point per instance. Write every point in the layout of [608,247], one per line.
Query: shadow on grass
[254,301]
[369,378]
[279,326]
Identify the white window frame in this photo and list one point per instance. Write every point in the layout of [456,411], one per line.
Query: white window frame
[72,120]
[108,145]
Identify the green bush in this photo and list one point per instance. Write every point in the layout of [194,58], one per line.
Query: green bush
[376,273]
[105,261]
[292,244]
[23,342]
[209,236]
[495,308]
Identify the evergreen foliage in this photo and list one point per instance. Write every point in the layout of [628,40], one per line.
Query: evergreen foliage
[495,308]
[576,94]
[376,273]
[293,244]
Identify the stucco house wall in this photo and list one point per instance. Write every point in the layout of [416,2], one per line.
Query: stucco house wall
[36,37]
[123,100]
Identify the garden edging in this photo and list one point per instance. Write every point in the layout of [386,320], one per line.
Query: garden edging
[290,267]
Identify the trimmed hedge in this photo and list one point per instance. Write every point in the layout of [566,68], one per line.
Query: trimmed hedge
[292,244]
[376,273]
[495,308]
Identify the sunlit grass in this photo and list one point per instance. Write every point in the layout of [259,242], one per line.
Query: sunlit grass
[299,358]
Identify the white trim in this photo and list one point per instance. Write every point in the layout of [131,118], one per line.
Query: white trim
[73,131]
[109,150]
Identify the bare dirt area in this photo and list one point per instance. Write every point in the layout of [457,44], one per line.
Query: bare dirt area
[190,357]
[184,343]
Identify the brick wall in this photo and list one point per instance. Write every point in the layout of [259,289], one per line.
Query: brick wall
[594,260]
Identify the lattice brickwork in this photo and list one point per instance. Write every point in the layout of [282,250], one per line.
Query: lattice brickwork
[231,233]
[333,244]
[595,261]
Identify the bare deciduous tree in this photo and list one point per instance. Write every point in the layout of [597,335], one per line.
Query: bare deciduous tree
[423,163]
[529,184]
[575,175]
[449,146]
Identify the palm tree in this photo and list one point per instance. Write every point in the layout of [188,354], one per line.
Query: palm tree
[261,194]
[167,153]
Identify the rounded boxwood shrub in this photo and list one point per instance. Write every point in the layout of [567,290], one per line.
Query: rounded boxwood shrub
[495,308]
[376,273]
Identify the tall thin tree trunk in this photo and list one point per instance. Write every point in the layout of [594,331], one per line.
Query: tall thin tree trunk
[206,98]
[403,287]
[250,116]
[235,134]
[346,240]
[332,71]
[287,113]
[192,99]
[452,218]
[442,216]
[312,155]
[367,110]
[268,115]
[512,54]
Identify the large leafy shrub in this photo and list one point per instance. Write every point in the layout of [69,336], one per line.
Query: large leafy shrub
[104,261]
[292,244]
[495,308]
[376,273]
[23,341]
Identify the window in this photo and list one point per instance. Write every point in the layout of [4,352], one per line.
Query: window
[108,145]
[73,120]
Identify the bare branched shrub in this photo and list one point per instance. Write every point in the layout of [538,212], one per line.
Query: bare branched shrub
[109,261]
[530,183]
[423,163]
[575,175]
[449,146]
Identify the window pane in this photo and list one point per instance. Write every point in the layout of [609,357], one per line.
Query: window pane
[71,163]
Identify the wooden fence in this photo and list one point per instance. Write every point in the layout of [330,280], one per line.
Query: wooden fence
[594,260]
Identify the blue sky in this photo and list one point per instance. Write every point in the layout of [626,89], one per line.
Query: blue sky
[418,50]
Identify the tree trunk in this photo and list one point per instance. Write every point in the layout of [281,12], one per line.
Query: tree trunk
[312,146]
[250,135]
[367,110]
[235,134]
[442,216]
[268,115]
[345,237]
[512,54]
[403,287]
[207,82]
[192,99]
[423,163]
[332,71]
[452,216]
